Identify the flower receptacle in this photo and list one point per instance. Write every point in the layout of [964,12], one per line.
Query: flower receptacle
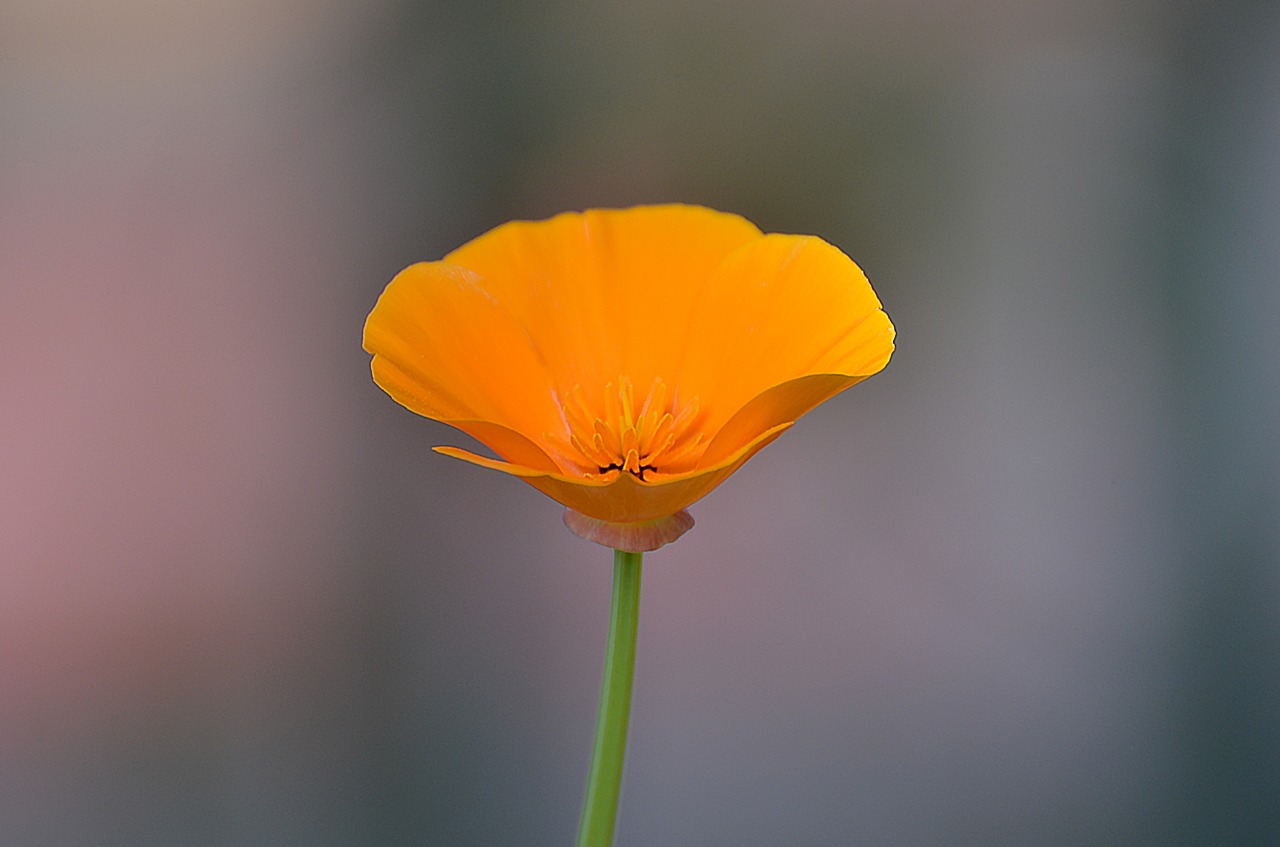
[639,537]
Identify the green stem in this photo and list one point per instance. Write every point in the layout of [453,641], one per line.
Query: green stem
[600,808]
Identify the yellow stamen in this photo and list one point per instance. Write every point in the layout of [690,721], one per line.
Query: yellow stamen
[615,435]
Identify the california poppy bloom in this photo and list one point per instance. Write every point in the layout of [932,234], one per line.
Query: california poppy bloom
[626,362]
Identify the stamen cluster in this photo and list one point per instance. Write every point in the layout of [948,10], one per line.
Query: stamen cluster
[619,435]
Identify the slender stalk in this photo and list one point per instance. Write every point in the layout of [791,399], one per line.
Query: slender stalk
[600,808]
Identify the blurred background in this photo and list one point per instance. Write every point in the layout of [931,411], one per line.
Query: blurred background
[1021,588]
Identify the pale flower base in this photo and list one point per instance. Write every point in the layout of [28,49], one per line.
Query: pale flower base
[641,537]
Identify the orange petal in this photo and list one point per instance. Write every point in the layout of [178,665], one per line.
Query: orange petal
[623,498]
[520,470]
[508,444]
[781,404]
[447,348]
[605,292]
[779,308]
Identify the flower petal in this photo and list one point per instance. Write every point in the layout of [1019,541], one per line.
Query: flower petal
[780,308]
[447,348]
[419,393]
[508,444]
[605,293]
[623,498]
[781,404]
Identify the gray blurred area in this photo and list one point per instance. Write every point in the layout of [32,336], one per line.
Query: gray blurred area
[1019,589]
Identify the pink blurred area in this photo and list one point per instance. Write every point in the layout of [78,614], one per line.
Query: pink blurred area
[158,393]
[171,314]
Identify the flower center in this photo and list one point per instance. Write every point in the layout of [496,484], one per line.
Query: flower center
[653,436]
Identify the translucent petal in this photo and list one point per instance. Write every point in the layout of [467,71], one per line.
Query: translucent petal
[605,293]
[448,348]
[780,308]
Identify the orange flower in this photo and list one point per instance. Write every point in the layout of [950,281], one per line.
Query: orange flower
[626,362]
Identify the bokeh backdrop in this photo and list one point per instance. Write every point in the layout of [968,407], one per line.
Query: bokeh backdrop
[1021,588]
